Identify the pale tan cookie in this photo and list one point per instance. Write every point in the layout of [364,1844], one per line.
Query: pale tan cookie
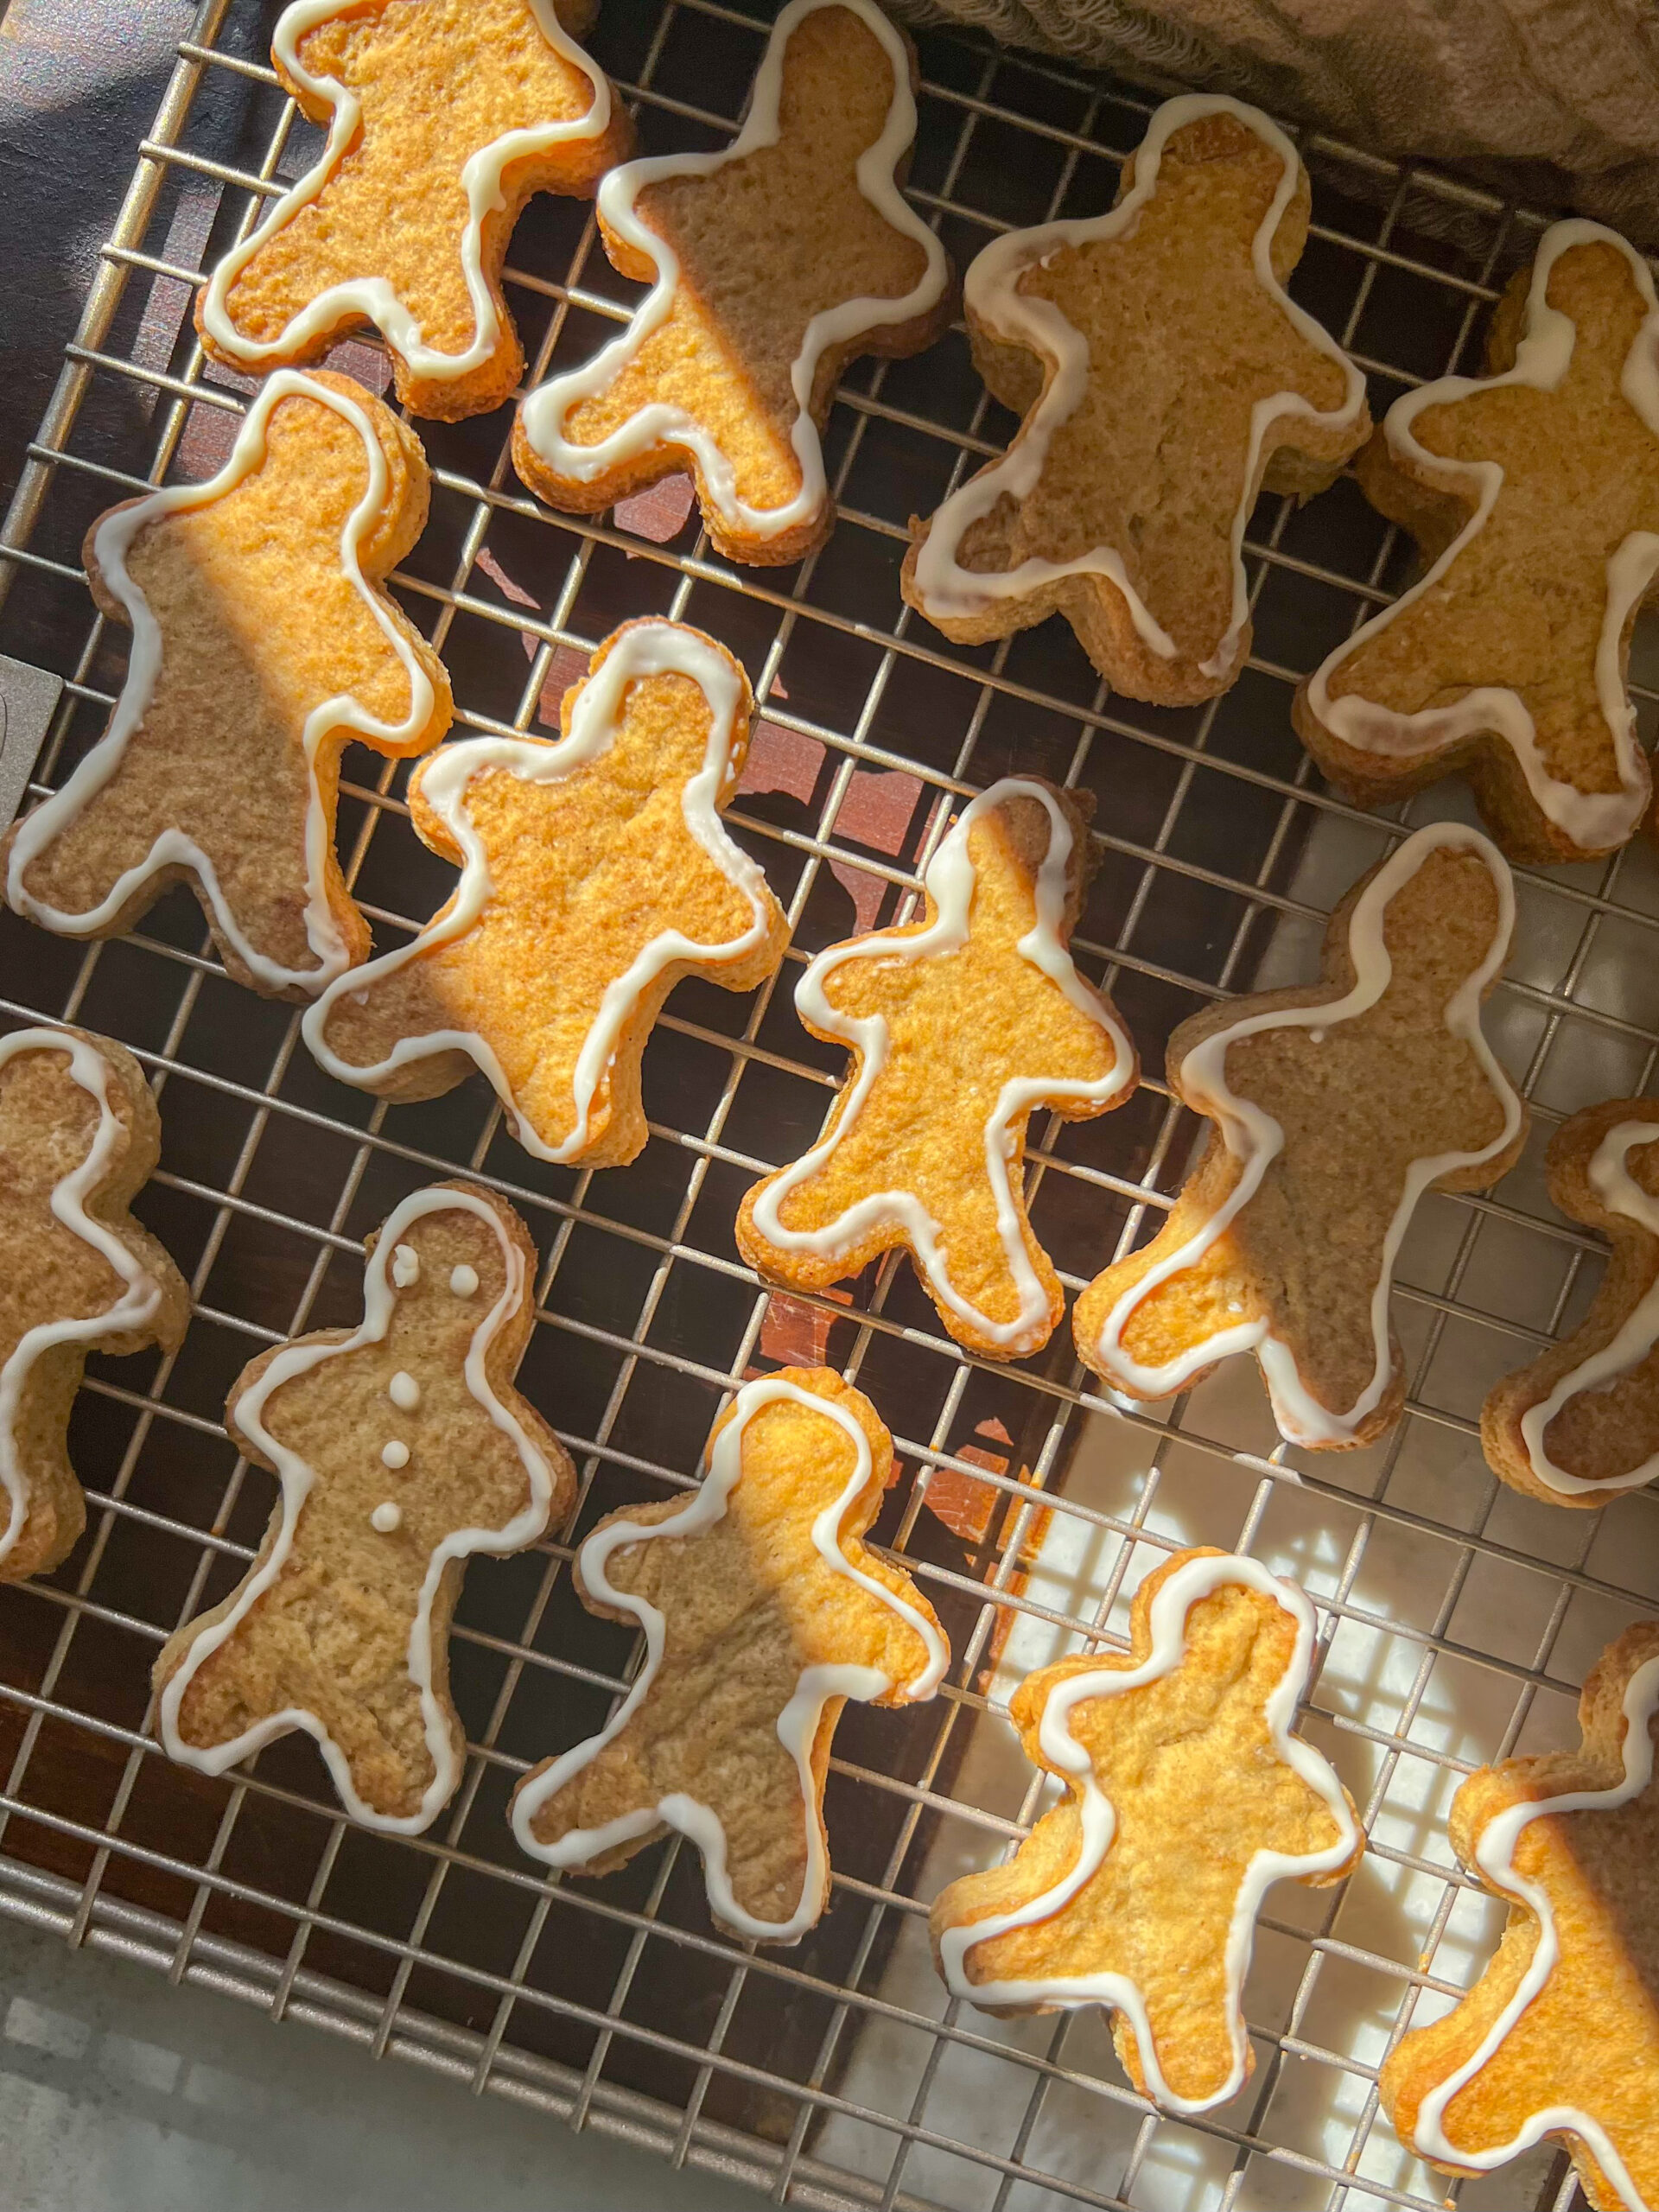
[1581,1424]
[79,1137]
[960,1025]
[262,645]
[596,873]
[1164,379]
[1560,2036]
[1534,492]
[444,116]
[763,1613]
[773,265]
[1190,1795]
[1334,1106]
[402,1448]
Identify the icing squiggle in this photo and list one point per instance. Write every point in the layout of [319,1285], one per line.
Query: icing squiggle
[1256,1139]
[546,411]
[1609,1178]
[798,1724]
[140,1301]
[1494,1858]
[374,297]
[1597,821]
[644,649]
[1170,1604]
[950,882]
[994,299]
[111,541]
[298,1478]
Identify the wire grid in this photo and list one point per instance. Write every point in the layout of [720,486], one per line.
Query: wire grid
[615,2004]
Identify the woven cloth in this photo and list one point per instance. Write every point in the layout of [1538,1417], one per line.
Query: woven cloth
[1552,101]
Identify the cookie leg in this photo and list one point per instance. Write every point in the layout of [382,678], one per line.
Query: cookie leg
[735,1791]
[271,1674]
[359,1027]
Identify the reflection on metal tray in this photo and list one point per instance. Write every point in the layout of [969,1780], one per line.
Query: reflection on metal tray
[1455,1617]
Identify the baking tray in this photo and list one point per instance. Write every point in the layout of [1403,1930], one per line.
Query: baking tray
[1456,1619]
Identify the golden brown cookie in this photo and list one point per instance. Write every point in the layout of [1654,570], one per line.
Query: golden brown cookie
[402,1448]
[1334,1106]
[1164,379]
[960,1026]
[262,645]
[1580,1425]
[443,117]
[596,873]
[772,265]
[1190,1795]
[1534,492]
[79,1137]
[763,1613]
[1560,2036]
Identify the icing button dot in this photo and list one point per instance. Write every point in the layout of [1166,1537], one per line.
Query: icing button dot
[405,1267]
[395,1454]
[463,1280]
[386,1518]
[405,1391]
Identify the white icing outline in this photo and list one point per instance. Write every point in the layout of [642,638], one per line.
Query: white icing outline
[1252,1136]
[342,717]
[138,1304]
[374,297]
[993,298]
[1061,1751]
[797,1723]
[297,1478]
[1494,1860]
[1611,1179]
[641,649]
[1595,821]
[663,423]
[950,881]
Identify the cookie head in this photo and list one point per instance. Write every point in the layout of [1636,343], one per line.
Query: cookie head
[447,1271]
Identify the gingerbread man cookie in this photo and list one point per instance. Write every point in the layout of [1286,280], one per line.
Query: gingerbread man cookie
[772,266]
[1189,1797]
[961,1027]
[763,1612]
[1581,1423]
[596,873]
[1335,1106]
[79,1136]
[261,646]
[1165,377]
[1560,2036]
[443,119]
[402,1448]
[1535,493]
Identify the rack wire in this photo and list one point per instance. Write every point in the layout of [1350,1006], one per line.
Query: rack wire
[1455,1618]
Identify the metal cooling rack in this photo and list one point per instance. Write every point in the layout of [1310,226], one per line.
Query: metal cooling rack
[1456,1619]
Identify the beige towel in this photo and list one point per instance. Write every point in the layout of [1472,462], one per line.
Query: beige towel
[1555,102]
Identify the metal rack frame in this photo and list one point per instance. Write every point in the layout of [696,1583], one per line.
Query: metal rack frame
[1435,241]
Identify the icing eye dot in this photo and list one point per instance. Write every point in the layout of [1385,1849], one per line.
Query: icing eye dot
[386,1517]
[404,1392]
[394,1454]
[405,1267]
[463,1280]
